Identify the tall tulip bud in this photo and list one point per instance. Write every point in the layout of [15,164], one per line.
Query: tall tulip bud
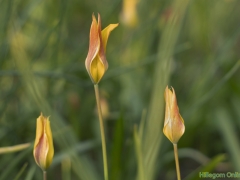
[96,62]
[129,15]
[43,147]
[173,124]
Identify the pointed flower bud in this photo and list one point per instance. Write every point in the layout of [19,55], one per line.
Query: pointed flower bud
[96,62]
[129,14]
[173,124]
[43,147]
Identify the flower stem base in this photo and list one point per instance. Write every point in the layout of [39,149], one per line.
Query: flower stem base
[104,151]
[177,162]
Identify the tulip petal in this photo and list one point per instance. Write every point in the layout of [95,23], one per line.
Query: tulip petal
[94,43]
[50,143]
[41,151]
[97,69]
[167,130]
[167,96]
[105,34]
[39,130]
[99,64]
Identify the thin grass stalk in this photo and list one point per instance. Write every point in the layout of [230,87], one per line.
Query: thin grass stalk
[138,147]
[66,168]
[177,162]
[104,151]
[11,149]
[21,171]
[230,135]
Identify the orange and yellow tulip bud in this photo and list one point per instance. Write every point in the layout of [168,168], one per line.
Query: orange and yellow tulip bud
[96,62]
[173,124]
[43,147]
[129,15]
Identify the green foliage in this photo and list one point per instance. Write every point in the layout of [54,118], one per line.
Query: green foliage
[209,167]
[190,45]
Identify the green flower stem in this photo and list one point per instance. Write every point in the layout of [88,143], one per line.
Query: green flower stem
[177,162]
[138,147]
[104,152]
[44,175]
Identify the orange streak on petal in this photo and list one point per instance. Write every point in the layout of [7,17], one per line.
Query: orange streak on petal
[94,44]
[40,152]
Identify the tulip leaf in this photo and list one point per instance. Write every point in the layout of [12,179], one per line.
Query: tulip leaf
[226,128]
[206,168]
[21,171]
[116,152]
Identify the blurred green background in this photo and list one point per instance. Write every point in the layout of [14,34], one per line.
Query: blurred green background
[192,45]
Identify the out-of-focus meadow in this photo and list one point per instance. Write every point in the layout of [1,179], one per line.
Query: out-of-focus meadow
[192,45]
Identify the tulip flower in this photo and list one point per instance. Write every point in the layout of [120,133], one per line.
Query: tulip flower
[43,147]
[96,62]
[173,124]
[129,14]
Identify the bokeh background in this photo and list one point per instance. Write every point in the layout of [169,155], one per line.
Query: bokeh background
[192,45]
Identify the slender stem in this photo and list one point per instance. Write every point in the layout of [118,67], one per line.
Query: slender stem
[104,152]
[177,162]
[138,147]
[66,168]
[44,175]
[10,149]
